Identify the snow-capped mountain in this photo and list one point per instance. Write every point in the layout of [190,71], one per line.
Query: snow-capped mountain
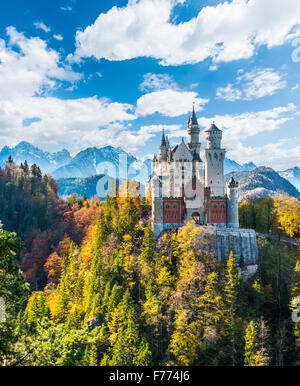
[115,162]
[108,160]
[232,166]
[292,175]
[262,182]
[48,162]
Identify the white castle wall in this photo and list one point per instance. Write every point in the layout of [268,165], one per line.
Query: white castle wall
[214,171]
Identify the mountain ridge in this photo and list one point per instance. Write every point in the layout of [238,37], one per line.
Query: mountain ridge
[261,182]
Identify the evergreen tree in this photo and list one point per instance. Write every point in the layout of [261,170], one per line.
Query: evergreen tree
[251,344]
[232,295]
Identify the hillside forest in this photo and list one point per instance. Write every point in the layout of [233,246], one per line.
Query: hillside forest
[85,283]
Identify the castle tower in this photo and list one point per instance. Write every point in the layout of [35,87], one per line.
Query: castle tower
[193,133]
[214,162]
[232,204]
[163,146]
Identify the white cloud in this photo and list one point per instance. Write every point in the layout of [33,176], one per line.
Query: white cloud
[170,103]
[58,37]
[213,68]
[28,71]
[225,32]
[255,84]
[238,128]
[229,93]
[66,8]
[295,87]
[42,26]
[157,82]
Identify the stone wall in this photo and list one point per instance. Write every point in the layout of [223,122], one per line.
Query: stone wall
[242,241]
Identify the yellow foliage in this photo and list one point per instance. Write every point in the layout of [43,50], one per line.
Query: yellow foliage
[288,213]
[88,247]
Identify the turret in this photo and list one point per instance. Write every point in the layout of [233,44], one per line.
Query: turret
[193,130]
[163,146]
[232,204]
[213,137]
[214,161]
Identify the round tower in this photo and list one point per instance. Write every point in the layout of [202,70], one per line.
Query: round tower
[214,161]
[213,137]
[232,204]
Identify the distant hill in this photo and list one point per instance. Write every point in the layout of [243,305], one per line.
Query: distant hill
[262,182]
[293,175]
[90,186]
[48,162]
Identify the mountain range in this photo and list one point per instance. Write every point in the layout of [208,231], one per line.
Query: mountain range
[293,175]
[82,173]
[48,162]
[88,162]
[262,182]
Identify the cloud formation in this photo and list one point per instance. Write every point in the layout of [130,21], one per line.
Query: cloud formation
[253,85]
[42,26]
[226,32]
[157,82]
[29,72]
[171,103]
[239,127]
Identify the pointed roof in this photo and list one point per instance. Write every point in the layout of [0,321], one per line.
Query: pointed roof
[194,117]
[213,127]
[167,142]
[163,139]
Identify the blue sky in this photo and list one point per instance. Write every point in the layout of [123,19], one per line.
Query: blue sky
[80,73]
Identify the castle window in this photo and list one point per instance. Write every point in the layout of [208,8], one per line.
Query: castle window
[215,206]
[222,206]
[167,217]
[167,206]
[175,217]
[215,216]
[174,206]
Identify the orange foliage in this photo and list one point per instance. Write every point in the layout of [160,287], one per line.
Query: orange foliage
[128,189]
[53,268]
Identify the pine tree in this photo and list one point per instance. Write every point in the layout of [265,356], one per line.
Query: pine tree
[232,296]
[37,307]
[251,344]
[295,305]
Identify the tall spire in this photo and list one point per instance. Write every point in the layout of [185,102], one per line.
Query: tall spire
[194,118]
[163,146]
[163,139]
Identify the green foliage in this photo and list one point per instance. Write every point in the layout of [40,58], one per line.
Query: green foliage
[124,298]
[251,344]
[14,291]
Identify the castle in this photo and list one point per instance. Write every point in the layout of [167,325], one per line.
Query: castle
[183,189]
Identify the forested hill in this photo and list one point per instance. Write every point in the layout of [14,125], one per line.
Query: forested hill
[115,295]
[30,206]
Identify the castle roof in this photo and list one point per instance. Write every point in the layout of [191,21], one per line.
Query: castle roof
[213,127]
[194,117]
[163,139]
